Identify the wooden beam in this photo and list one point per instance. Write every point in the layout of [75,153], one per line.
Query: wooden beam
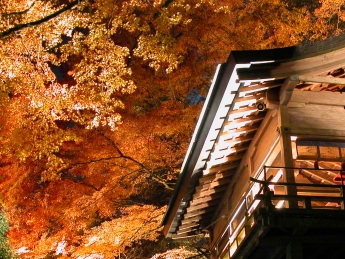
[314,158]
[250,118]
[314,65]
[208,214]
[184,235]
[320,98]
[188,225]
[207,198]
[217,154]
[203,205]
[286,91]
[187,233]
[231,142]
[319,79]
[209,192]
[218,169]
[313,132]
[237,132]
[318,178]
[213,184]
[286,152]
[225,160]
[248,99]
[210,177]
[253,88]
[244,111]
[198,218]
[198,213]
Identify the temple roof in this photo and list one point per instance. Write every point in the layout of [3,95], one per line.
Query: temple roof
[242,91]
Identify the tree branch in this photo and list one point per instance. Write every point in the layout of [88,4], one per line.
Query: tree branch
[153,177]
[22,26]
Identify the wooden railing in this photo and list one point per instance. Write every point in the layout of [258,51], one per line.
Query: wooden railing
[308,196]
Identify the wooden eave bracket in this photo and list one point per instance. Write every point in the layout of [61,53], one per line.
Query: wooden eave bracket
[291,82]
[319,79]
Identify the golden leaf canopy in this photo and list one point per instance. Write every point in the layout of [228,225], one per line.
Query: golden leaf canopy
[98,100]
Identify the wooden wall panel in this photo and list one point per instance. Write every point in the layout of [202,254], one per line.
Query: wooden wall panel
[253,160]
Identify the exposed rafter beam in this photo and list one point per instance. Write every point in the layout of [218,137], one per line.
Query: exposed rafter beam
[227,152]
[209,192]
[213,203]
[250,118]
[227,167]
[206,199]
[319,79]
[214,184]
[286,90]
[230,142]
[224,160]
[204,212]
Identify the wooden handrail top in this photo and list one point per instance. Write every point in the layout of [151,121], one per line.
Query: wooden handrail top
[295,184]
[298,197]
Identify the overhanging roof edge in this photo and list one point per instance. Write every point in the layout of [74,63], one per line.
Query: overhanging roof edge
[218,87]
[301,51]
[210,107]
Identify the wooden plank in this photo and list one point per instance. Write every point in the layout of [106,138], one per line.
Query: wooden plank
[213,191]
[244,111]
[184,234]
[206,199]
[209,179]
[198,213]
[221,168]
[325,167]
[318,178]
[317,132]
[312,65]
[286,153]
[225,160]
[234,141]
[249,98]
[236,132]
[227,152]
[203,205]
[213,184]
[251,118]
[286,91]
[253,88]
[317,116]
[216,180]
[187,233]
[320,79]
[188,225]
[314,158]
[198,218]
[258,87]
[214,176]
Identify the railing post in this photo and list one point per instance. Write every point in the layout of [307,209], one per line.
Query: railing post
[307,203]
[342,205]
[286,153]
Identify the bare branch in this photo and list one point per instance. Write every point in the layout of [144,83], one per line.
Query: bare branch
[153,177]
[22,26]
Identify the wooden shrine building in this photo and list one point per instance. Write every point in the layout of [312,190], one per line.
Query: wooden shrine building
[264,173]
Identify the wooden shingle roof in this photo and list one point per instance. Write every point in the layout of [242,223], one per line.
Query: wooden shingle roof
[232,115]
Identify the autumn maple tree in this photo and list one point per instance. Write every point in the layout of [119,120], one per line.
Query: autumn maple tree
[99,100]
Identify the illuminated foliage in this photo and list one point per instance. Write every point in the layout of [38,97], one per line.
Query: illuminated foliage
[99,100]
[5,251]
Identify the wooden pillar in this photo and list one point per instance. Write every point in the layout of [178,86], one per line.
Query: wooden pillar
[294,250]
[286,152]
